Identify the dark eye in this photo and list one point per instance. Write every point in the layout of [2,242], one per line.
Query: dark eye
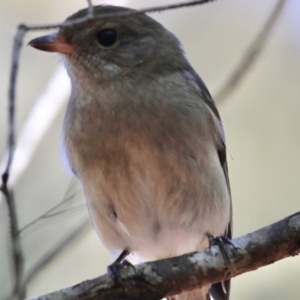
[107,37]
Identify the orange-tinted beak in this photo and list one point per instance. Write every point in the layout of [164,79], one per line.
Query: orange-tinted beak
[52,43]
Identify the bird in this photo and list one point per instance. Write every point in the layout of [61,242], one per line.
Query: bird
[144,137]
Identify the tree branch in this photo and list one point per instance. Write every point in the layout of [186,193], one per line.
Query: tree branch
[251,55]
[90,8]
[155,280]
[17,253]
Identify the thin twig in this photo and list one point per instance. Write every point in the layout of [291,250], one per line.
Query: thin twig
[117,14]
[33,272]
[90,8]
[17,253]
[74,210]
[251,55]
[53,210]
[12,95]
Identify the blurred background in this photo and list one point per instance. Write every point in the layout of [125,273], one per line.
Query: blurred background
[261,119]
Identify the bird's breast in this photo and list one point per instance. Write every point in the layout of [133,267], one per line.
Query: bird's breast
[146,174]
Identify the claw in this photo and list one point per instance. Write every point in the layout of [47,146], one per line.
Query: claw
[114,269]
[223,287]
[221,241]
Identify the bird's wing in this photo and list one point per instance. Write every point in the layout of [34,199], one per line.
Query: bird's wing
[217,290]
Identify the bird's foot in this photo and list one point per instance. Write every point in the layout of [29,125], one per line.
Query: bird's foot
[114,269]
[221,241]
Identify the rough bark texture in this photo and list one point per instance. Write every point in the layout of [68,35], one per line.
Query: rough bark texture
[171,276]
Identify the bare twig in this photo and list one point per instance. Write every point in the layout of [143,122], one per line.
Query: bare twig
[90,8]
[168,277]
[117,14]
[33,272]
[12,95]
[17,255]
[56,209]
[251,55]
[48,105]
[75,232]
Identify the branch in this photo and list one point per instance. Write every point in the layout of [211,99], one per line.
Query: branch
[48,257]
[251,55]
[90,8]
[168,277]
[90,15]
[17,253]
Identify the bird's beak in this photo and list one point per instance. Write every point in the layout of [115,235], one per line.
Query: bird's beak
[52,43]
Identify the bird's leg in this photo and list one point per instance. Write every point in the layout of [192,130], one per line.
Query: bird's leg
[221,241]
[114,269]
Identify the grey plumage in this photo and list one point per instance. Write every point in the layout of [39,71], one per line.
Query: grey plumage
[144,137]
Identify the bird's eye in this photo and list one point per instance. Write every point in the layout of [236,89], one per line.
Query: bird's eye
[107,37]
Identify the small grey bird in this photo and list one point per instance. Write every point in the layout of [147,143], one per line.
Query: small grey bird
[143,136]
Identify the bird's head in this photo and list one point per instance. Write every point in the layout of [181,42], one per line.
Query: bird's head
[108,47]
